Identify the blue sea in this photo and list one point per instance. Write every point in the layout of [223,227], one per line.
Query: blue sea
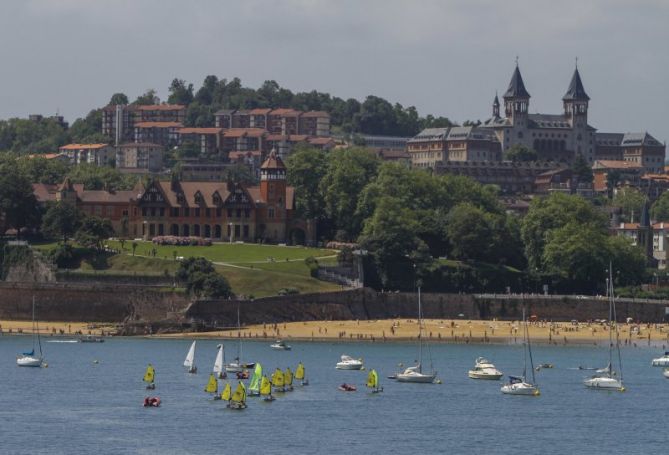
[77,406]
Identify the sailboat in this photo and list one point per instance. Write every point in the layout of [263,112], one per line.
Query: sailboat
[212,386]
[190,359]
[373,381]
[278,381]
[226,394]
[300,374]
[518,385]
[238,366]
[29,359]
[149,377]
[266,389]
[254,385]
[238,399]
[607,378]
[219,369]
[288,379]
[416,373]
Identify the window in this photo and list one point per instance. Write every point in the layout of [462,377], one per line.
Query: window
[246,231]
[162,211]
[270,213]
[197,211]
[219,212]
[247,213]
[239,213]
[186,211]
[153,211]
[229,213]
[207,213]
[175,211]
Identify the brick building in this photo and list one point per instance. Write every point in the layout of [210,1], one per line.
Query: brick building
[434,146]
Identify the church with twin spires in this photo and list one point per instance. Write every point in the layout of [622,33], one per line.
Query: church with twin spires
[555,137]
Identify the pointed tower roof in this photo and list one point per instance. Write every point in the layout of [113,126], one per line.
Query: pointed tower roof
[495,101]
[576,92]
[273,161]
[516,86]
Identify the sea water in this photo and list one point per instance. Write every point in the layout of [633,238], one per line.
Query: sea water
[78,406]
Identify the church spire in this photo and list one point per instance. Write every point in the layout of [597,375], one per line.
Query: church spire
[576,92]
[516,86]
[495,106]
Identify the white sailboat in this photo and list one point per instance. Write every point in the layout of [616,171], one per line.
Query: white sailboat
[190,359]
[416,373]
[607,378]
[237,366]
[219,369]
[518,385]
[30,359]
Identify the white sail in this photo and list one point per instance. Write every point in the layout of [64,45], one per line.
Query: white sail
[218,364]
[190,357]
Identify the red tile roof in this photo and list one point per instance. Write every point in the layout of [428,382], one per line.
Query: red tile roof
[200,130]
[287,137]
[273,162]
[615,164]
[316,114]
[283,112]
[161,107]
[82,146]
[240,132]
[260,111]
[158,125]
[46,156]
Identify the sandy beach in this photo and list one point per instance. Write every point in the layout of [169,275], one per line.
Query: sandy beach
[58,328]
[451,331]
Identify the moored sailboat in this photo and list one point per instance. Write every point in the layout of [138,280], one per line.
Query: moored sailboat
[29,359]
[237,366]
[190,359]
[300,374]
[518,385]
[149,377]
[416,373]
[373,381]
[607,378]
[254,385]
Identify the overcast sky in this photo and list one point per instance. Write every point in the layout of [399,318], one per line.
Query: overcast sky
[444,57]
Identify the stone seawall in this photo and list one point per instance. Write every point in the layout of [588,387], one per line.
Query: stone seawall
[367,304]
[102,302]
[83,303]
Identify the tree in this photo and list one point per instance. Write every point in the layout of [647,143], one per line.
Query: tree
[118,98]
[554,212]
[149,97]
[101,178]
[582,170]
[61,220]
[469,232]
[17,201]
[631,201]
[134,247]
[88,130]
[348,172]
[239,173]
[306,168]
[519,153]
[628,261]
[180,92]
[390,237]
[93,231]
[660,208]
[201,279]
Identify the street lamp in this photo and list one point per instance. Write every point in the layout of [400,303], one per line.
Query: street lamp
[232,233]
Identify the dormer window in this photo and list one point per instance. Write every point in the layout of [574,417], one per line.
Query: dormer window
[216,198]
[199,199]
[180,198]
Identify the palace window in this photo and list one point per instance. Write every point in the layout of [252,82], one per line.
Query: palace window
[186,211]
[239,213]
[175,211]
[197,211]
[270,213]
[229,213]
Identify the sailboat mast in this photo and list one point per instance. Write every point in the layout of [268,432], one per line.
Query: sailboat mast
[239,335]
[615,318]
[420,334]
[611,317]
[524,345]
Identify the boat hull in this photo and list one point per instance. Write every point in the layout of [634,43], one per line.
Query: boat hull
[489,376]
[665,373]
[661,362]
[348,366]
[280,347]
[416,378]
[604,384]
[521,388]
[29,361]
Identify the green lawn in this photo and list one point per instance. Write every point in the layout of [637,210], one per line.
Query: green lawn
[247,267]
[233,253]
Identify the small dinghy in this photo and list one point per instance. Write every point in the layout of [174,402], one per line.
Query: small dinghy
[151,402]
[347,387]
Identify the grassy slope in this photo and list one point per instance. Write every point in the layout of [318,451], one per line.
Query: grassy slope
[253,274]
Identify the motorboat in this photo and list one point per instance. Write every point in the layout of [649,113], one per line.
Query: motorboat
[518,386]
[280,345]
[483,369]
[91,339]
[662,361]
[349,363]
[415,374]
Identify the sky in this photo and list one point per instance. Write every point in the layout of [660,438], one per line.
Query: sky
[445,57]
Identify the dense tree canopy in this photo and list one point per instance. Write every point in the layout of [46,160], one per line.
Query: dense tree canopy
[61,221]
[519,152]
[660,208]
[631,201]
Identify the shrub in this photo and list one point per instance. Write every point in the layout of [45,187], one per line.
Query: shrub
[288,291]
[312,263]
